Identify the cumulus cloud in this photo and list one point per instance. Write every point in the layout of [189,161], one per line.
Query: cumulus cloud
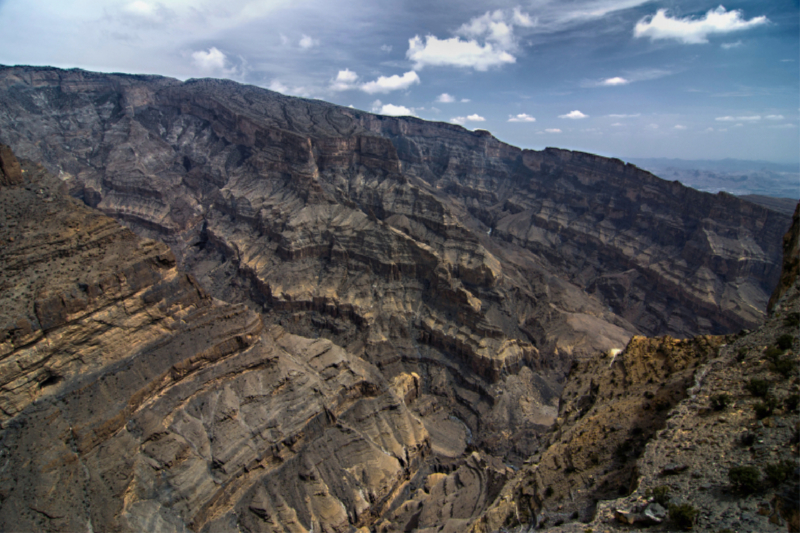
[679,127]
[445,98]
[617,124]
[386,48]
[552,130]
[774,117]
[694,31]
[435,52]
[144,10]
[385,84]
[392,110]
[465,100]
[468,118]
[573,115]
[751,118]
[209,61]
[522,117]
[624,116]
[481,43]
[307,42]
[783,126]
[346,79]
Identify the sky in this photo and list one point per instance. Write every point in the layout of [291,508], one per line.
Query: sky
[689,79]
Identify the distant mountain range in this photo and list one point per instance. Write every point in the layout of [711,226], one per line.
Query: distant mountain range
[735,176]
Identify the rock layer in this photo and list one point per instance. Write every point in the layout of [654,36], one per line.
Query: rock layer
[130,400]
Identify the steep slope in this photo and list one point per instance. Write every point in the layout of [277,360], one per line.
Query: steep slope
[130,400]
[701,432]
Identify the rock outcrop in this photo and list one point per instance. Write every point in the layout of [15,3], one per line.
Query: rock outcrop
[696,433]
[131,400]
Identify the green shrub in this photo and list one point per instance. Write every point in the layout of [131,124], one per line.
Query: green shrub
[683,515]
[783,366]
[773,354]
[785,341]
[720,401]
[765,408]
[661,495]
[777,473]
[792,320]
[744,479]
[758,387]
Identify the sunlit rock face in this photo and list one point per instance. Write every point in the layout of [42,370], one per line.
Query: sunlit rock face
[453,277]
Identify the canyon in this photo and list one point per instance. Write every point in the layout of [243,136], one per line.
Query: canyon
[225,308]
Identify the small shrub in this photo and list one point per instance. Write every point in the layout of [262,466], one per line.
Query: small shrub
[785,341]
[784,367]
[661,495]
[765,408]
[792,320]
[777,473]
[741,354]
[744,479]
[720,401]
[773,354]
[758,387]
[683,515]
[791,402]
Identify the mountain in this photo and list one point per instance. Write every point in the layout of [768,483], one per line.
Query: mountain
[359,321]
[751,179]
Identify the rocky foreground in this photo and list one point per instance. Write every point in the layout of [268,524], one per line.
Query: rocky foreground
[356,321]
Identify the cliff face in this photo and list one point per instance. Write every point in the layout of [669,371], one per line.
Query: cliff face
[404,290]
[130,400]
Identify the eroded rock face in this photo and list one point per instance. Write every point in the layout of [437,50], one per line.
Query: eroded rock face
[130,400]
[430,287]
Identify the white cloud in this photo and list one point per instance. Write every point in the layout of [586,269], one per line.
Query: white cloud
[617,124]
[710,129]
[624,116]
[465,100]
[752,118]
[728,46]
[210,61]
[615,81]
[385,84]
[396,110]
[679,127]
[552,130]
[522,117]
[774,117]
[573,115]
[307,42]
[346,79]
[284,40]
[481,43]
[445,98]
[392,110]
[278,87]
[468,118]
[693,31]
[454,52]
[386,48]
[783,126]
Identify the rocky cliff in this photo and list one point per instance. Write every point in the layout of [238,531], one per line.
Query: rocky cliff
[131,400]
[430,286]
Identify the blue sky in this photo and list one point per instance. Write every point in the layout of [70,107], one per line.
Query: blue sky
[624,78]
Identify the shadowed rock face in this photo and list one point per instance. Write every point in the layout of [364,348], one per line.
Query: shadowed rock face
[431,286]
